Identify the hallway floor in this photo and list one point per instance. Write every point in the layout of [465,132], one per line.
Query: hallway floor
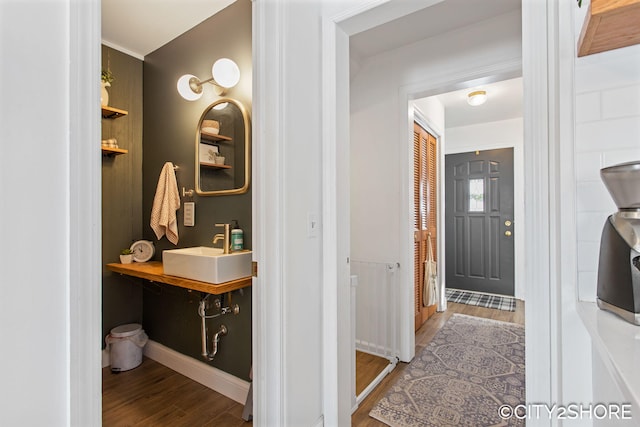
[361,418]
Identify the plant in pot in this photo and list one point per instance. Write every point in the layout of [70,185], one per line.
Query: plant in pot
[106,78]
[126,256]
[218,159]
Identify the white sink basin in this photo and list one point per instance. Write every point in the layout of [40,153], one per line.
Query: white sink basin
[206,264]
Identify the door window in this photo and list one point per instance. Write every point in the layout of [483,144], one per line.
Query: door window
[476,195]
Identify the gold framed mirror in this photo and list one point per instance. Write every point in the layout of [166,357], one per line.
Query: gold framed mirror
[223,149]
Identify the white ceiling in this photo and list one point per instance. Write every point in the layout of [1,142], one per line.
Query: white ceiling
[504,101]
[504,98]
[138,27]
[440,18]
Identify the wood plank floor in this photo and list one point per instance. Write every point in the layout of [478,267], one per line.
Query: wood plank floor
[154,395]
[368,367]
[361,417]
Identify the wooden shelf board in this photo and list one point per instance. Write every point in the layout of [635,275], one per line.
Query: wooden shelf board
[215,166]
[114,151]
[609,24]
[214,137]
[112,113]
[154,272]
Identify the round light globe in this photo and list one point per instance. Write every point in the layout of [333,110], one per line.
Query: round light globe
[477,97]
[225,72]
[184,89]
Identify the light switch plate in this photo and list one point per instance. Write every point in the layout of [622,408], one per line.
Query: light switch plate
[189,214]
[313,225]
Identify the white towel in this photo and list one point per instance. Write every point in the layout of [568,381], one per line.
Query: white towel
[165,204]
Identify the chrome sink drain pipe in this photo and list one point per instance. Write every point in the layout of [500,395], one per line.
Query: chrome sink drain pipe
[203,329]
[216,339]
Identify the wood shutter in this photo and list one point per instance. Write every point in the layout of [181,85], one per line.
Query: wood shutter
[425,213]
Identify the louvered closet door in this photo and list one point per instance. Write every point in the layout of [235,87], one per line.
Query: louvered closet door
[425,219]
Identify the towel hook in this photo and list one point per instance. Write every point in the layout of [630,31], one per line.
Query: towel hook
[176,167]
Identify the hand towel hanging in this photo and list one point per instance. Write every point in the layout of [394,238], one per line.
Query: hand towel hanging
[165,204]
[430,277]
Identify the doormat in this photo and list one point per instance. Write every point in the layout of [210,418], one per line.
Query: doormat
[469,372]
[499,302]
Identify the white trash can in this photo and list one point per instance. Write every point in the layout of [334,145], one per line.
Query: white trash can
[125,344]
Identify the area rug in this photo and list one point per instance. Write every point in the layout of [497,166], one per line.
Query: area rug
[499,302]
[469,370]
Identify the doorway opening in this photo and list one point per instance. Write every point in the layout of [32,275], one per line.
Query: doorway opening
[387,195]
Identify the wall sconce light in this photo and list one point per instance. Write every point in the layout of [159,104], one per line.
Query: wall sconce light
[225,74]
[477,97]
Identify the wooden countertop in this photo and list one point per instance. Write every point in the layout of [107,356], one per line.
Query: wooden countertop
[154,272]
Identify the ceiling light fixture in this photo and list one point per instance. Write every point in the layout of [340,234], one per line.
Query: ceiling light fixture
[225,74]
[477,97]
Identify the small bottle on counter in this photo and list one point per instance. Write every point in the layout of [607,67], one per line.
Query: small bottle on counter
[237,237]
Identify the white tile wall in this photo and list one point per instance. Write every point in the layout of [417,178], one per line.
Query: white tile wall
[588,107]
[607,125]
[623,102]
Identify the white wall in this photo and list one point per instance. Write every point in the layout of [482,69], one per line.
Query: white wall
[302,195]
[50,224]
[607,132]
[34,187]
[375,124]
[485,136]
[490,136]
[431,111]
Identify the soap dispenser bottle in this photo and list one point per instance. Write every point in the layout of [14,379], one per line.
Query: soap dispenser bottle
[237,237]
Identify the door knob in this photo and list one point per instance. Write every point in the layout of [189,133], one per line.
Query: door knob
[507,223]
[507,233]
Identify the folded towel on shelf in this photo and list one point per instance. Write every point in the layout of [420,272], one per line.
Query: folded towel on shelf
[165,204]
[213,131]
[210,124]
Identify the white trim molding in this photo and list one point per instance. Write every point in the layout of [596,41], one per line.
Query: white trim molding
[268,302]
[434,85]
[338,363]
[217,380]
[85,213]
[537,39]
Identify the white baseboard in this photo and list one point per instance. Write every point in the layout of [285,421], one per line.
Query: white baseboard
[373,384]
[217,380]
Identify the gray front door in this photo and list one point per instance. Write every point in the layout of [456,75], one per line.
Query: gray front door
[479,221]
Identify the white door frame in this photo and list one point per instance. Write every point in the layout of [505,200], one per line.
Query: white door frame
[267,292]
[430,87]
[85,213]
[540,74]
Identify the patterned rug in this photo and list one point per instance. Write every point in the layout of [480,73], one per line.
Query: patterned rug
[499,302]
[470,368]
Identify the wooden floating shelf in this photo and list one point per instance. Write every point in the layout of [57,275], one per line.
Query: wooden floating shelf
[112,113]
[154,272]
[214,137]
[113,151]
[610,24]
[214,165]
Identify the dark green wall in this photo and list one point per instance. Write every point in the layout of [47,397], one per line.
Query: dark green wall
[121,190]
[170,124]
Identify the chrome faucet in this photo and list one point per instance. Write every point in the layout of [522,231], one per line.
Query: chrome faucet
[226,244]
